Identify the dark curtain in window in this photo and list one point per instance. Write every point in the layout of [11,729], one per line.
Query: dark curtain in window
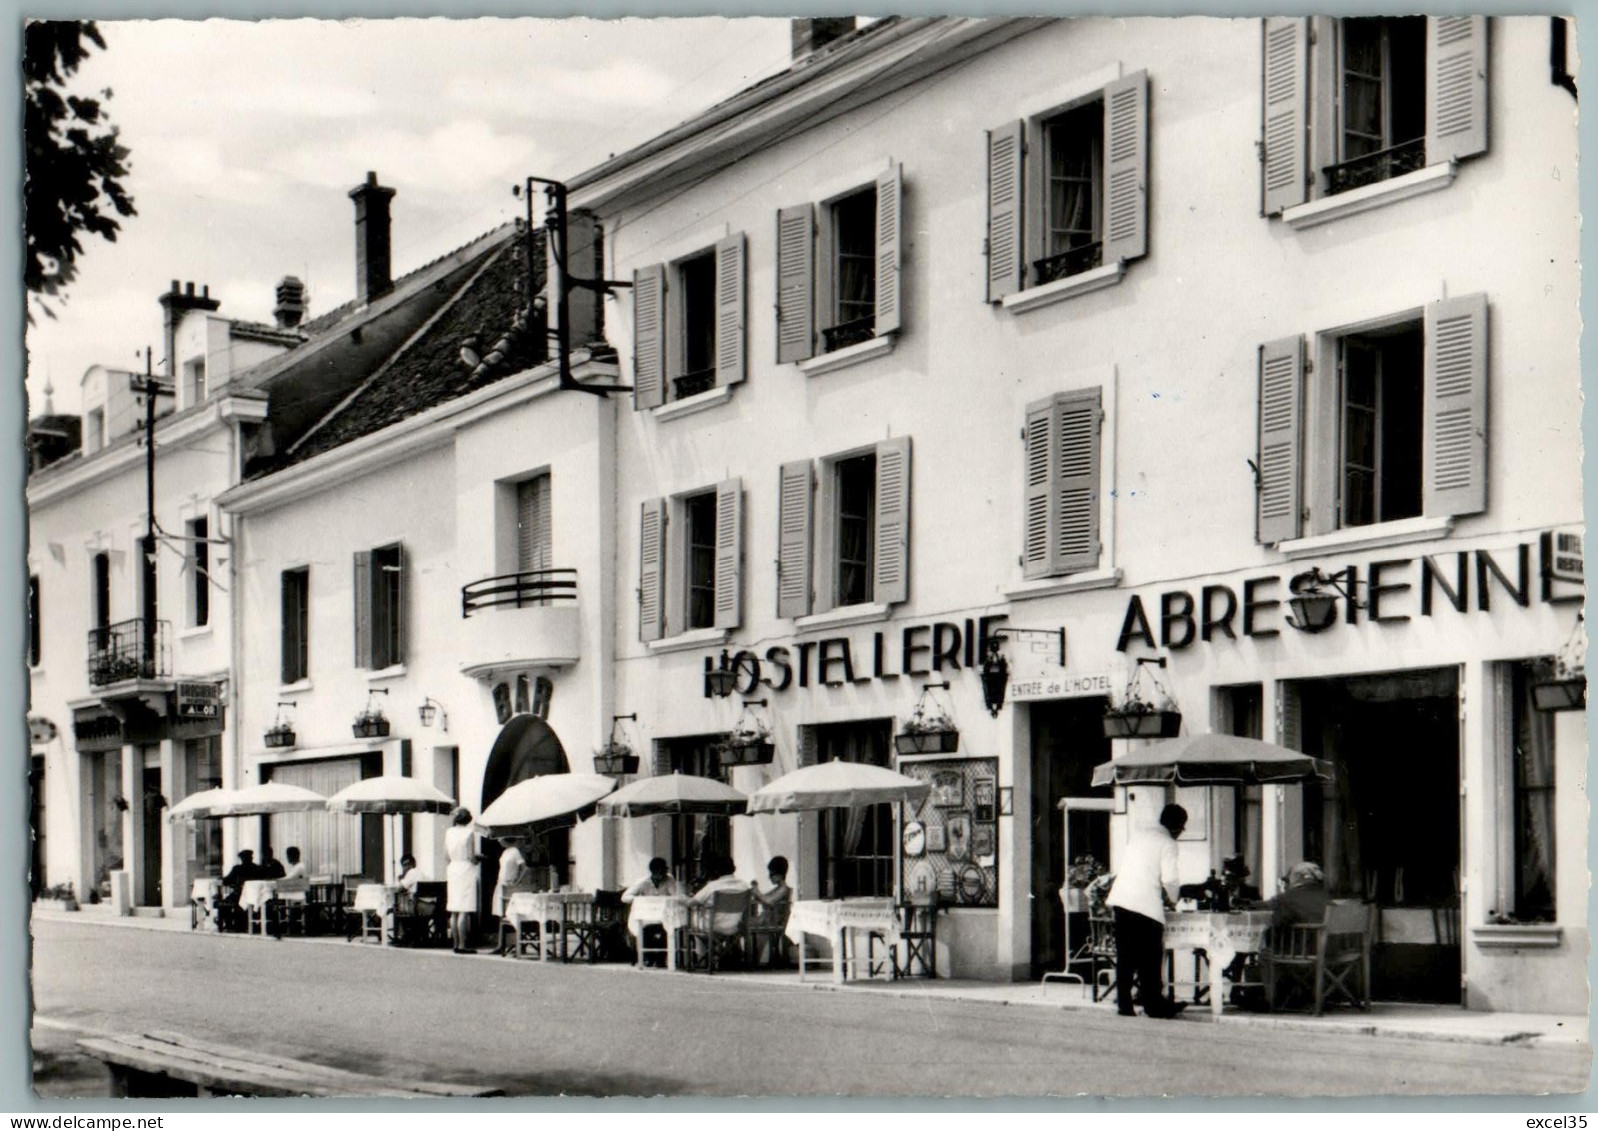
[1534,806]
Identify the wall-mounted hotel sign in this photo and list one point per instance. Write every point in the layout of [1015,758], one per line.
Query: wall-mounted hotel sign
[1062,685]
[96,729]
[1390,591]
[198,700]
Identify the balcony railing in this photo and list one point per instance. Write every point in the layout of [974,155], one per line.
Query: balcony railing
[527,589]
[1372,168]
[1053,268]
[122,651]
[850,333]
[691,384]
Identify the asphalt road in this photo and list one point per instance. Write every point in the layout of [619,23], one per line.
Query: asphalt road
[536,1029]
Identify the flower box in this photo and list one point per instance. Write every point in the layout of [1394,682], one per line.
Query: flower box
[49,904]
[279,737]
[927,742]
[615,762]
[747,753]
[1560,694]
[1142,724]
[370,726]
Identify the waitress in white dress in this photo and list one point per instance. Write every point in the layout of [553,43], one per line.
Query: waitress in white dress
[460,849]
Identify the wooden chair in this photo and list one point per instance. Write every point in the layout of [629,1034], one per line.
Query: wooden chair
[594,928]
[708,944]
[1101,955]
[768,927]
[324,906]
[288,911]
[1327,961]
[522,940]
[918,931]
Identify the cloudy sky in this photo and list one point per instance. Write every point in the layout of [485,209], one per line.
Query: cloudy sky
[247,136]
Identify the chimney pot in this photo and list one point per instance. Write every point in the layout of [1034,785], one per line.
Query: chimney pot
[373,277]
[290,302]
[188,288]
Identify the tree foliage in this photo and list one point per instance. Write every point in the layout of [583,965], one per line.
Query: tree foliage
[74,162]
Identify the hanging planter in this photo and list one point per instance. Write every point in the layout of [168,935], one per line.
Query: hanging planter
[1560,694]
[280,736]
[371,723]
[746,750]
[1561,681]
[1143,714]
[930,728]
[615,760]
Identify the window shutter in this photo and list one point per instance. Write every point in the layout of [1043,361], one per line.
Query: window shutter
[1281,399]
[795,270]
[1285,98]
[890,202]
[1041,487]
[649,337]
[1006,255]
[288,648]
[652,570]
[1456,87]
[1126,168]
[660,758]
[363,609]
[891,564]
[793,540]
[809,746]
[729,553]
[1077,425]
[401,605]
[1455,458]
[730,310]
[532,524]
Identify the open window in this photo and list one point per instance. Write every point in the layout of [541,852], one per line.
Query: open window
[691,562]
[688,324]
[295,647]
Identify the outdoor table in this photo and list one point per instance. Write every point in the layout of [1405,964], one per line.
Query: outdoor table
[204,895]
[544,908]
[254,895]
[376,900]
[838,921]
[667,911]
[1221,935]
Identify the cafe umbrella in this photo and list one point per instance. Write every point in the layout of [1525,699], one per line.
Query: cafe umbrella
[1211,759]
[538,804]
[202,805]
[390,795]
[674,794]
[836,785]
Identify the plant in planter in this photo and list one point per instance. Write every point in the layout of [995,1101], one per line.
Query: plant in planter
[1560,682]
[1143,713]
[930,728]
[748,743]
[281,732]
[371,722]
[61,897]
[616,757]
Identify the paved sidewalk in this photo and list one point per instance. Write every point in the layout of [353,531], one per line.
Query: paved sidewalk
[1385,1019]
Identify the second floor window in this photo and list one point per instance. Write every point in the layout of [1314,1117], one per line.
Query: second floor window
[380,607]
[296,640]
[100,598]
[1380,378]
[691,561]
[688,324]
[199,572]
[1063,494]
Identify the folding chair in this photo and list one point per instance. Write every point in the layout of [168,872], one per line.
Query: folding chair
[708,945]
[918,931]
[1323,962]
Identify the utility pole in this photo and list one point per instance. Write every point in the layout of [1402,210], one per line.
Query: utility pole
[148,626]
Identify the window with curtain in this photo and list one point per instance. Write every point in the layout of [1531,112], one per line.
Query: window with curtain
[1533,777]
[695,839]
[329,843]
[202,769]
[857,846]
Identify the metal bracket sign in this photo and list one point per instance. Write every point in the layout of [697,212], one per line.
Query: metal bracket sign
[199,700]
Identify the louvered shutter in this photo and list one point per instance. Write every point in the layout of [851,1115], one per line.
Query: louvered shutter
[401,605]
[1454,479]
[730,310]
[1291,707]
[1285,97]
[659,758]
[1456,87]
[809,746]
[1281,398]
[533,524]
[652,570]
[795,272]
[891,554]
[1078,419]
[1006,254]
[1126,168]
[363,608]
[729,553]
[793,540]
[1037,539]
[649,336]
[890,206]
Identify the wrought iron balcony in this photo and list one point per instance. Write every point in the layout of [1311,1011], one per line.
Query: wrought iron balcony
[850,333]
[1074,261]
[1373,168]
[520,590]
[690,384]
[123,651]
[523,620]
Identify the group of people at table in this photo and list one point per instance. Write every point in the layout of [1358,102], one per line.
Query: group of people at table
[1145,887]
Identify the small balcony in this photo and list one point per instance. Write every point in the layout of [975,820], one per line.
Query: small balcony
[518,621]
[1372,168]
[125,653]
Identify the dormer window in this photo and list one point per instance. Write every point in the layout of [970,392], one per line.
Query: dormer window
[194,381]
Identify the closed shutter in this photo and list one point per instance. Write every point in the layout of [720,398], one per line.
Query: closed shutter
[1281,398]
[660,758]
[1284,94]
[809,746]
[1006,254]
[651,570]
[401,605]
[649,336]
[532,524]
[1456,87]
[1291,708]
[1041,479]
[730,310]
[363,608]
[1077,425]
[1454,480]
[1126,168]
[729,553]
[891,564]
[793,540]
[890,205]
[795,271]
[288,648]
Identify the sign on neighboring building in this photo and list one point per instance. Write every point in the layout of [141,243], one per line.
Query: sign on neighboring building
[197,700]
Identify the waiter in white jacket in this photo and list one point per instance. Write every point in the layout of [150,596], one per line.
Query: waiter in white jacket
[1145,883]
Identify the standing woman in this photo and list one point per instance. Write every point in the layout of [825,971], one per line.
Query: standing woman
[460,848]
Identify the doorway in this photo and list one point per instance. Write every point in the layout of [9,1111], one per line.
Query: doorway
[1386,829]
[36,881]
[1067,742]
[856,847]
[151,812]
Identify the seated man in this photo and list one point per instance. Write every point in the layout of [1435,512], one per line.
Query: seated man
[726,924]
[270,867]
[410,874]
[1305,899]
[658,882]
[230,917]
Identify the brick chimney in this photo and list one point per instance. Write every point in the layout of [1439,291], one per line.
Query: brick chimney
[812,34]
[174,304]
[290,307]
[373,277]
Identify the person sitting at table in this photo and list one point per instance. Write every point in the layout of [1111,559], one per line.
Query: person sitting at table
[410,874]
[271,867]
[1240,895]
[296,868]
[772,906]
[513,872]
[230,916]
[1304,901]
[720,869]
[658,882]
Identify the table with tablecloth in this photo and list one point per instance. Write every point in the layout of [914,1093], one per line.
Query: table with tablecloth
[204,895]
[377,900]
[670,912]
[1221,935]
[840,921]
[544,908]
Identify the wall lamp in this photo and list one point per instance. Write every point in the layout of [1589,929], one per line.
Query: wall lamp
[431,707]
[995,669]
[1313,605]
[721,681]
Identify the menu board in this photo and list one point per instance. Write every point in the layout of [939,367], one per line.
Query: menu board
[950,842]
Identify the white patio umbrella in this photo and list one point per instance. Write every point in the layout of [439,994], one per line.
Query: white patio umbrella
[541,801]
[272,797]
[391,795]
[203,805]
[674,793]
[836,785]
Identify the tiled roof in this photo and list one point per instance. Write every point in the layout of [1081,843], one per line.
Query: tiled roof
[453,355]
[260,331]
